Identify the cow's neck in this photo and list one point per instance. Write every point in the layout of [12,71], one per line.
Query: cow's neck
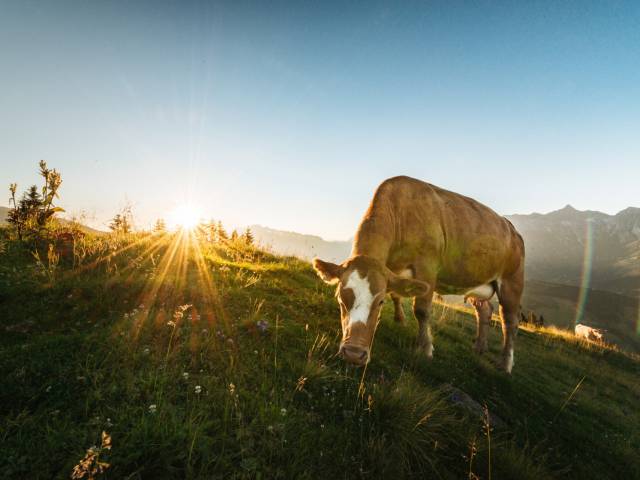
[373,239]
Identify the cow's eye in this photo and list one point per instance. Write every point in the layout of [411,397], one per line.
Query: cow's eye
[381,302]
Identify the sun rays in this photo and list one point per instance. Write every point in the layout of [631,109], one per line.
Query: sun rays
[175,281]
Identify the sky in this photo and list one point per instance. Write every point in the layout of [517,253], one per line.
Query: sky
[289,114]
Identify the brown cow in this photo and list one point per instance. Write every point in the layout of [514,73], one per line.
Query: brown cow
[415,239]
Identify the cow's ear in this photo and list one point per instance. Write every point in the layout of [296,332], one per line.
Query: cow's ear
[327,271]
[408,287]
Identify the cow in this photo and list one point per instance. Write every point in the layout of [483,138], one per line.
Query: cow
[589,333]
[416,239]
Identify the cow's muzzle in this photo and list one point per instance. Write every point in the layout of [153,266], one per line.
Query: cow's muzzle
[356,355]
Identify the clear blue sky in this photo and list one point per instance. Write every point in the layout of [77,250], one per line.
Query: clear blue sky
[288,114]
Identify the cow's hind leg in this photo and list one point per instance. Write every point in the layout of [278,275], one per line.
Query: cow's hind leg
[422,311]
[509,295]
[398,315]
[484,311]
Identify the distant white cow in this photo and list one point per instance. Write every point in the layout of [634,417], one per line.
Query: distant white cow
[589,333]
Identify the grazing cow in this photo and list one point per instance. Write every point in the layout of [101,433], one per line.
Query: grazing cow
[415,239]
[589,333]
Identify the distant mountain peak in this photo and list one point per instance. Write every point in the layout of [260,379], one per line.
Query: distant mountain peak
[629,211]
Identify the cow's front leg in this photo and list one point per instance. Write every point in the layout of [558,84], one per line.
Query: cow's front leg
[398,315]
[422,311]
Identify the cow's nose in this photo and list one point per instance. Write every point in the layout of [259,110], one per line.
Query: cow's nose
[353,354]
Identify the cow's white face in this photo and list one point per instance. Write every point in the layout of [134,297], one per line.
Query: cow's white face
[362,286]
[362,298]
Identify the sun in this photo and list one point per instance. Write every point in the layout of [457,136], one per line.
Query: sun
[184,217]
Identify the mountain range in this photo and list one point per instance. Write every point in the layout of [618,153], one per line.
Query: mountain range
[568,245]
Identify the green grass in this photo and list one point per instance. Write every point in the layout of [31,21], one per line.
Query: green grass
[88,348]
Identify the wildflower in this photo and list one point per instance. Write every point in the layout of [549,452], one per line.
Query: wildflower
[152,408]
[205,331]
[146,351]
[270,428]
[90,465]
[232,388]
[109,423]
[48,389]
[262,325]
[185,375]
[198,389]
[171,323]
[283,412]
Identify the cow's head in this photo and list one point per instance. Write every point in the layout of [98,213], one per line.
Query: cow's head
[362,284]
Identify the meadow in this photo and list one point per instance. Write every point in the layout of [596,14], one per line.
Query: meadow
[170,356]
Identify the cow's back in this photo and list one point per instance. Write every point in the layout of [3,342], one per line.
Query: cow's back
[470,242]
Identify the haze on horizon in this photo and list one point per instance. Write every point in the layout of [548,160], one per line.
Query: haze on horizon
[289,115]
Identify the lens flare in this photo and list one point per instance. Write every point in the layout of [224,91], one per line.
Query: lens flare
[587,264]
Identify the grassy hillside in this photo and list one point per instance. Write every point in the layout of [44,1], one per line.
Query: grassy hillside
[210,361]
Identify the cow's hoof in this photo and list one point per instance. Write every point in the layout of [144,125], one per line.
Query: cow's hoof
[507,362]
[428,351]
[425,350]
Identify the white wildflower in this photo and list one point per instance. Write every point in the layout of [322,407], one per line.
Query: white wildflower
[198,389]
[152,408]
